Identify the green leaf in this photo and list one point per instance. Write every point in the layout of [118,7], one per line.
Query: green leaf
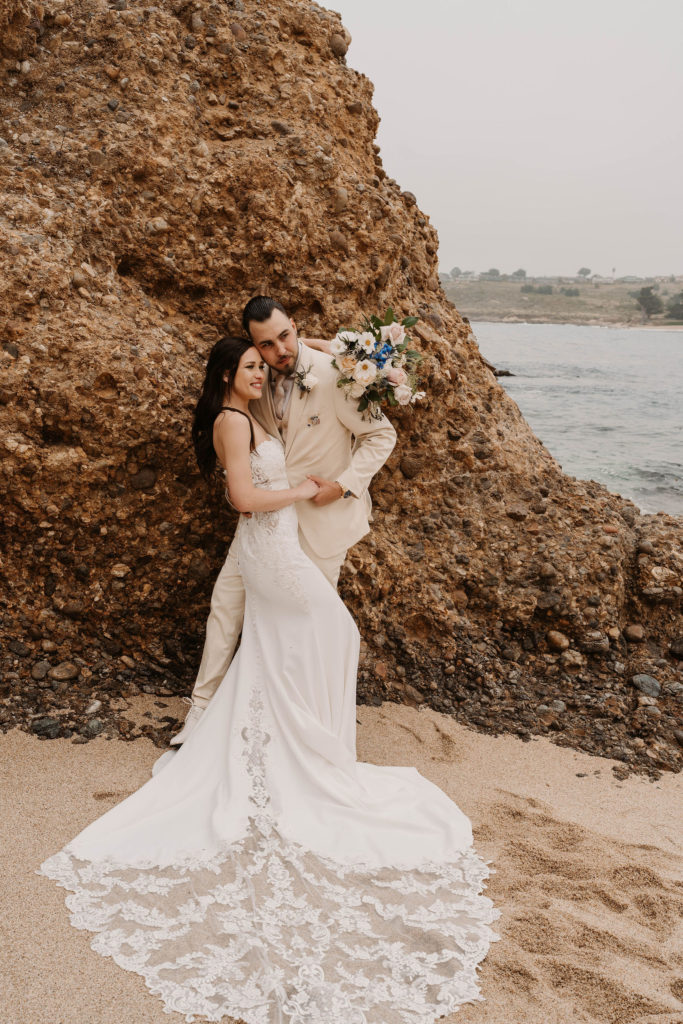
[389,317]
[362,405]
[390,398]
[409,321]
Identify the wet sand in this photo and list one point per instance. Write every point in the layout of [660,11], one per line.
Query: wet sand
[588,874]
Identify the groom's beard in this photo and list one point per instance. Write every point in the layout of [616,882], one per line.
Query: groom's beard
[286,365]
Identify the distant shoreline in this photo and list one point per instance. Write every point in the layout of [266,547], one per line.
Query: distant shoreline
[483,318]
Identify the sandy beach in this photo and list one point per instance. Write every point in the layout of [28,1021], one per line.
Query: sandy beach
[587,873]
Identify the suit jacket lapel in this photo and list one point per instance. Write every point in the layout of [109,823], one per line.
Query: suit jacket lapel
[296,410]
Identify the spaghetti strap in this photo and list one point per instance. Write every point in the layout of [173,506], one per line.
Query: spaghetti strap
[230,408]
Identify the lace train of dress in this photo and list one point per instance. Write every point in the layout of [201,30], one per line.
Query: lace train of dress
[264,874]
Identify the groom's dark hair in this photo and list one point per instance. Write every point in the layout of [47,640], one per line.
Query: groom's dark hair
[259,309]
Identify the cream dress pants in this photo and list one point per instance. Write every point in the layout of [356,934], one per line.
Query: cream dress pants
[224,624]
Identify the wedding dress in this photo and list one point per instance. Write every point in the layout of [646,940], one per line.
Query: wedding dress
[264,875]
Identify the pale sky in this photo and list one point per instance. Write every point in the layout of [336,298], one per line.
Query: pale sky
[535,134]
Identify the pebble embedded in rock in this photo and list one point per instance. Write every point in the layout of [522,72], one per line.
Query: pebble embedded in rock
[93,707]
[634,633]
[594,642]
[556,640]
[64,671]
[517,512]
[338,45]
[93,727]
[144,479]
[410,466]
[339,241]
[40,670]
[647,685]
[157,226]
[340,199]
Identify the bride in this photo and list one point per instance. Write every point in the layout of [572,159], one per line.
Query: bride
[265,875]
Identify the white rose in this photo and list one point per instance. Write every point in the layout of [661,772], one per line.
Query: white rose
[418,396]
[340,343]
[356,390]
[393,333]
[365,372]
[367,342]
[403,394]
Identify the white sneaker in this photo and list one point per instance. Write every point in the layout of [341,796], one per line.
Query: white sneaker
[193,716]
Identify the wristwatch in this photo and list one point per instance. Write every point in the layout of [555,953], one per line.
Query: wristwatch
[344,494]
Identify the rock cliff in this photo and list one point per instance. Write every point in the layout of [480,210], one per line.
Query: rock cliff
[159,164]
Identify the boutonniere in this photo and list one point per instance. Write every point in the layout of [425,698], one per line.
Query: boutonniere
[305,381]
[313,421]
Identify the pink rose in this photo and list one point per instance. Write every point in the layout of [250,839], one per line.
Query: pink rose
[397,376]
[394,333]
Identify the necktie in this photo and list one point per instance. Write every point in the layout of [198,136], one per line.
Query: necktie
[279,396]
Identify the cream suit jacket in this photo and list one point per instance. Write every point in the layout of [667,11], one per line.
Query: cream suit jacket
[328,437]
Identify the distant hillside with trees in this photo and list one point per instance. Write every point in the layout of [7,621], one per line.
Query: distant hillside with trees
[585,298]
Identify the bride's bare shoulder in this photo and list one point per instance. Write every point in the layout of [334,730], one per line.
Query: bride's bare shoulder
[232,428]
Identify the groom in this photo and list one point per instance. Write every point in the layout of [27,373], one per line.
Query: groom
[326,438]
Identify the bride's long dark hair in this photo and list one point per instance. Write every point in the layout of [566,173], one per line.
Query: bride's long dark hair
[224,358]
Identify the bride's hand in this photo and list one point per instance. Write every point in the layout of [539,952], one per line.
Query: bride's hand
[308,489]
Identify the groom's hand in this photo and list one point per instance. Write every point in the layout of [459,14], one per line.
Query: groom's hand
[330,490]
[321,344]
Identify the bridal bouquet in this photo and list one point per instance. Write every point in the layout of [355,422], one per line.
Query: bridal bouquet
[375,364]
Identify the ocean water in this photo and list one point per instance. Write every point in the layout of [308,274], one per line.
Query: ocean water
[606,401]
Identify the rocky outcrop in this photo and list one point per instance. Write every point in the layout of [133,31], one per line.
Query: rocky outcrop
[159,164]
